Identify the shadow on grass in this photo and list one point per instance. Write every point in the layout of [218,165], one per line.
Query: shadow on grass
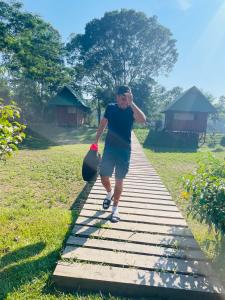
[44,136]
[171,150]
[22,253]
[24,272]
[35,141]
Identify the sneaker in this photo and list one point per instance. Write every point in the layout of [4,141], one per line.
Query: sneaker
[115,216]
[107,202]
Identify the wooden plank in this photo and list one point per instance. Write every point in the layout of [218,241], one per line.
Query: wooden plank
[141,219]
[138,214]
[144,167]
[140,188]
[144,185]
[155,182]
[147,262]
[156,196]
[156,201]
[152,236]
[176,241]
[134,190]
[141,168]
[126,246]
[125,207]
[134,283]
[136,180]
[142,173]
[138,184]
[142,176]
[137,227]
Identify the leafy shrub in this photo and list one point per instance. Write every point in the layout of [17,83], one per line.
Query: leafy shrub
[212,140]
[206,193]
[11,131]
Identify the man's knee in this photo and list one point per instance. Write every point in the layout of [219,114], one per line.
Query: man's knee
[119,183]
[105,179]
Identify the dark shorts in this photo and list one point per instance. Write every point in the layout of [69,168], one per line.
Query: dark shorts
[115,158]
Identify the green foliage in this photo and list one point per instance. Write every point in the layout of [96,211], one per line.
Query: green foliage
[206,191]
[11,131]
[33,55]
[36,220]
[123,47]
[141,134]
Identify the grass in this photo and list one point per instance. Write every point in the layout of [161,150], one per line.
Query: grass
[172,166]
[38,187]
[42,136]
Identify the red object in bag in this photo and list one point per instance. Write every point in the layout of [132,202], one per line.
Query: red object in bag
[94,147]
[91,163]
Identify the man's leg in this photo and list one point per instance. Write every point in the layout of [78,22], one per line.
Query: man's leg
[121,169]
[117,191]
[106,170]
[106,183]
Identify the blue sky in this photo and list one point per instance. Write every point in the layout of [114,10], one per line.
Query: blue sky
[197,25]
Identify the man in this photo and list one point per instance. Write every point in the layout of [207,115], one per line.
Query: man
[119,117]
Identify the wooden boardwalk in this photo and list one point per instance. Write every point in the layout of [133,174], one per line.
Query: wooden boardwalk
[150,252]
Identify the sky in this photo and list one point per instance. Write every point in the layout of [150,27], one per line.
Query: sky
[197,25]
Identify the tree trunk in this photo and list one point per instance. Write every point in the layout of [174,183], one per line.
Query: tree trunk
[99,111]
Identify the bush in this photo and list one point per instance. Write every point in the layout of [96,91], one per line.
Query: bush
[206,193]
[11,131]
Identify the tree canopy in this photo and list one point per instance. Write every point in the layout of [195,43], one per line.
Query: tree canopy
[32,54]
[123,47]
[11,131]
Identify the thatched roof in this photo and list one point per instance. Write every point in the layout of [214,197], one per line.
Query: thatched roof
[67,97]
[192,100]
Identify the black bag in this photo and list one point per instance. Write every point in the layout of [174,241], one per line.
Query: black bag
[90,165]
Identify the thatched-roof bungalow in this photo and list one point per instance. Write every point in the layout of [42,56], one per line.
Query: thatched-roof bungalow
[69,109]
[188,112]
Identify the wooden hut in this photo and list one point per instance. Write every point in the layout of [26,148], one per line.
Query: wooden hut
[69,109]
[188,112]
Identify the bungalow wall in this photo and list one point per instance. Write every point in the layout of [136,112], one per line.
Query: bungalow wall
[70,116]
[186,121]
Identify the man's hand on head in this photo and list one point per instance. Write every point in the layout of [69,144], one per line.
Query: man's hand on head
[129,97]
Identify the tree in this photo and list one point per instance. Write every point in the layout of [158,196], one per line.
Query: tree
[153,98]
[33,54]
[123,47]
[11,131]
[4,86]
[220,106]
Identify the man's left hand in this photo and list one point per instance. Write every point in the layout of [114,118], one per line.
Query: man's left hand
[129,98]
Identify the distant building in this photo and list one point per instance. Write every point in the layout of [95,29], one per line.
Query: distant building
[188,112]
[69,109]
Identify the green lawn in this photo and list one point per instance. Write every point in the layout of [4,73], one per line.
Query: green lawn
[38,188]
[171,166]
[39,185]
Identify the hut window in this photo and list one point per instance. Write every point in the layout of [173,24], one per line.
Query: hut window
[184,116]
[71,110]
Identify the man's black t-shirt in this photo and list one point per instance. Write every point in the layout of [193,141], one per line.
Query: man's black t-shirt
[120,124]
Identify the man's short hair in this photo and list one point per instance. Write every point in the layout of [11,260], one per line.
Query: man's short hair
[122,89]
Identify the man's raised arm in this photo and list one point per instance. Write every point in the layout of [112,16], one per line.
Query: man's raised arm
[139,116]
